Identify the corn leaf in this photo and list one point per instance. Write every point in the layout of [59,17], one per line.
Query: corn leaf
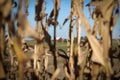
[2,73]
[20,55]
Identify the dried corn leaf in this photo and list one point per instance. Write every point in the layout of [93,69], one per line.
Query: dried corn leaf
[25,29]
[39,46]
[115,18]
[48,39]
[39,50]
[21,71]
[11,28]
[20,55]
[55,8]
[96,47]
[14,4]
[83,60]
[2,45]
[99,24]
[2,2]
[2,73]
[5,7]
[66,73]
[39,6]
[68,18]
[58,4]
[95,3]
[39,10]
[2,50]
[98,55]
[78,30]
[55,74]
[46,59]
[26,5]
[54,13]
[2,41]
[51,14]
[107,10]
[82,56]
[93,31]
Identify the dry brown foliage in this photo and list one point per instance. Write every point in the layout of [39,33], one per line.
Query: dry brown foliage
[94,60]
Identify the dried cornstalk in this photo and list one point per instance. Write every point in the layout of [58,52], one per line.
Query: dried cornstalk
[99,50]
[83,57]
[67,74]
[22,58]
[94,58]
[93,41]
[55,14]
[55,74]
[78,22]
[71,58]
[2,72]
[53,20]
[2,50]
[39,46]
[25,29]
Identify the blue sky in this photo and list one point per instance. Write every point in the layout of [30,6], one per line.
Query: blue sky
[64,12]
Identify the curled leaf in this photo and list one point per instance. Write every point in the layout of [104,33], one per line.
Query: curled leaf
[68,18]
[25,29]
[20,55]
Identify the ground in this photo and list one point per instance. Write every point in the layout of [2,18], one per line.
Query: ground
[62,48]
[115,60]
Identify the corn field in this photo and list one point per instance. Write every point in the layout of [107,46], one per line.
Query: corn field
[92,63]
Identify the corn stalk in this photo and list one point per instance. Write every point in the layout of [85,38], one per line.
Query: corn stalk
[99,50]
[2,49]
[95,57]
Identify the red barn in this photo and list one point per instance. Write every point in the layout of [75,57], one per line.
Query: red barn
[60,39]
